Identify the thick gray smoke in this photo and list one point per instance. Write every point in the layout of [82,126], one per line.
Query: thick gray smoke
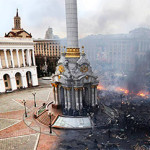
[138,80]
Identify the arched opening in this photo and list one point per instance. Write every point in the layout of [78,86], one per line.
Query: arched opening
[18,80]
[29,78]
[7,83]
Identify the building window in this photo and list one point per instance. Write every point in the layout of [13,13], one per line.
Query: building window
[17,82]
[5,77]
[6,84]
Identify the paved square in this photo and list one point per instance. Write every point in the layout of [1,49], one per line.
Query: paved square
[27,142]
[4,123]
[15,134]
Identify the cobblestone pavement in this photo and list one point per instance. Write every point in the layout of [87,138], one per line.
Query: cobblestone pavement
[15,134]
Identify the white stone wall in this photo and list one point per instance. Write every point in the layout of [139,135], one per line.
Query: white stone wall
[26,48]
[12,72]
[72,23]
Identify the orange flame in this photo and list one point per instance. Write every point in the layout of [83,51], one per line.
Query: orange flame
[125,91]
[101,87]
[143,94]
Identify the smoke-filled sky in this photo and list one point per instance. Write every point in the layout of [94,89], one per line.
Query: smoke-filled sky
[95,16]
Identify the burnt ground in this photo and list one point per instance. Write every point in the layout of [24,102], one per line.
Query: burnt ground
[120,123]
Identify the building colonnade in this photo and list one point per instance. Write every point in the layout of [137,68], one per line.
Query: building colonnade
[75,98]
[16,58]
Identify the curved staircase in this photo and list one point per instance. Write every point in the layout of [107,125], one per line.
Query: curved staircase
[45,119]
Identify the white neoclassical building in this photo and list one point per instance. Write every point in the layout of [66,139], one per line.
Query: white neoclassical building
[17,61]
[17,64]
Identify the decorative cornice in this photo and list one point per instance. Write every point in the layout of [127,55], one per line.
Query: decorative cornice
[73,53]
[15,43]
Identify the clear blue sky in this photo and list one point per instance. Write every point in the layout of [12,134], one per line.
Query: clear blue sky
[95,16]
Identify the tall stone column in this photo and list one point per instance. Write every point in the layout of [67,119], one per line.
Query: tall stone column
[58,102]
[68,97]
[81,98]
[93,95]
[18,59]
[59,95]
[89,94]
[72,23]
[54,93]
[23,58]
[77,98]
[6,60]
[96,102]
[86,96]
[12,58]
[28,57]
[56,96]
[65,95]
[33,57]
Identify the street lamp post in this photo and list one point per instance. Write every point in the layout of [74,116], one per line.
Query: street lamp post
[34,93]
[50,117]
[24,102]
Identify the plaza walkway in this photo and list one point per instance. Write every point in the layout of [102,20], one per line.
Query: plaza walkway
[20,133]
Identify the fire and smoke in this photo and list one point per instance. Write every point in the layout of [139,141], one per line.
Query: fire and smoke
[136,83]
[137,80]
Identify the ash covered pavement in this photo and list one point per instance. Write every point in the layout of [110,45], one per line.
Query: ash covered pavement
[119,123]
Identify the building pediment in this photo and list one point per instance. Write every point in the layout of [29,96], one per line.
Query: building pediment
[18,33]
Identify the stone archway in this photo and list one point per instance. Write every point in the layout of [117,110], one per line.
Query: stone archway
[29,78]
[18,80]
[7,82]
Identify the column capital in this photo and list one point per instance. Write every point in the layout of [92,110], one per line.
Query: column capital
[93,86]
[67,88]
[54,84]
[78,88]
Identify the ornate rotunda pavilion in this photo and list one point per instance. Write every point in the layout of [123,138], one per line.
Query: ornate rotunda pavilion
[74,83]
